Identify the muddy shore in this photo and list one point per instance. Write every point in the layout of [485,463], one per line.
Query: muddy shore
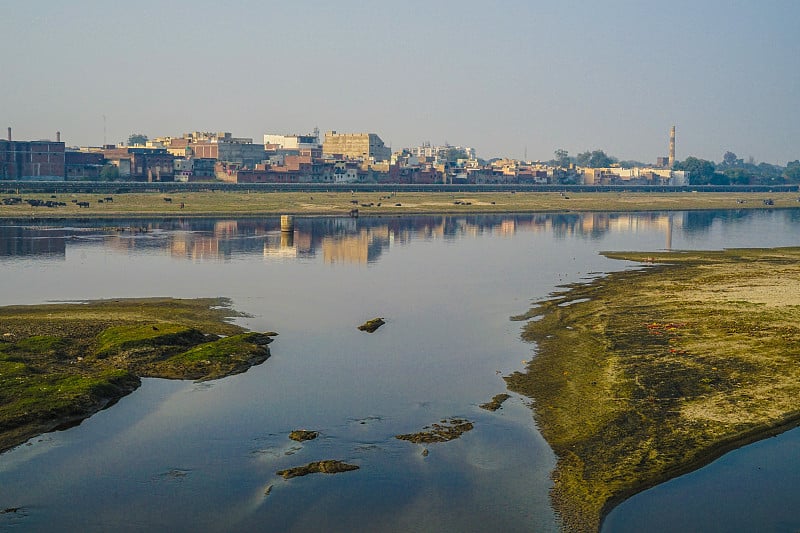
[644,375]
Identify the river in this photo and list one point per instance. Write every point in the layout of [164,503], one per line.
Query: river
[183,456]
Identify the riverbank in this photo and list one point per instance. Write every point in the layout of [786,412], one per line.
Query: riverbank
[250,204]
[643,375]
[61,363]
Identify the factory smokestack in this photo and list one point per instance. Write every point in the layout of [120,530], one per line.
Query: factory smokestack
[9,134]
[58,136]
[672,147]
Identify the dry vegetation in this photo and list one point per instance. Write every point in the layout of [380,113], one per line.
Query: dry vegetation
[219,203]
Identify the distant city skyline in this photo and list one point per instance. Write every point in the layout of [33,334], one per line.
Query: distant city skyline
[510,79]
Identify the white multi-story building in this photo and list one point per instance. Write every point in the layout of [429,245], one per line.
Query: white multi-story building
[293,142]
[441,153]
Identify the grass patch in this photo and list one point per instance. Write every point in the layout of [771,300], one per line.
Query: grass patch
[655,372]
[243,204]
[61,363]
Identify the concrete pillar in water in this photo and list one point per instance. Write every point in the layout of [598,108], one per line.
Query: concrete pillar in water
[287,223]
[287,239]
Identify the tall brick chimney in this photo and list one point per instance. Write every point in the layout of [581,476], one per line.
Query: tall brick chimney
[58,136]
[672,147]
[9,134]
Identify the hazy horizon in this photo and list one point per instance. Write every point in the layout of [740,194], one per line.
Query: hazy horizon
[509,80]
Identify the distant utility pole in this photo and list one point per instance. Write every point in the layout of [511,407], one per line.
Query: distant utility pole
[104,129]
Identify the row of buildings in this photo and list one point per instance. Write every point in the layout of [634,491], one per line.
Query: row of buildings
[339,158]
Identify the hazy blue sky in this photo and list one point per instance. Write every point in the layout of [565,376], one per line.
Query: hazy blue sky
[500,76]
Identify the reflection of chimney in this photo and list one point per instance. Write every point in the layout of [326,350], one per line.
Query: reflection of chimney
[669,233]
[9,134]
[58,136]
[672,147]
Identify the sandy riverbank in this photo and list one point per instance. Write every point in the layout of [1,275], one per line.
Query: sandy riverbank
[643,375]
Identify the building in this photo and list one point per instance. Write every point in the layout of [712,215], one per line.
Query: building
[146,164]
[363,146]
[240,152]
[82,165]
[437,154]
[293,142]
[31,160]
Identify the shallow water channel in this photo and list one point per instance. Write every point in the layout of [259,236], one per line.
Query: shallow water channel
[184,456]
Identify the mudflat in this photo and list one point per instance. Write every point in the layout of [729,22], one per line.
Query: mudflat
[643,375]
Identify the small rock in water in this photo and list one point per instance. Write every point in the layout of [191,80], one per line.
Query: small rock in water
[371,325]
[301,435]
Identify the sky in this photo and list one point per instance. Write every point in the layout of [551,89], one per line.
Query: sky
[510,78]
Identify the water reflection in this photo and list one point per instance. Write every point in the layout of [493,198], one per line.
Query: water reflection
[340,239]
[446,285]
[31,241]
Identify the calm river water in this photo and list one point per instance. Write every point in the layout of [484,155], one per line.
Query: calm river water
[183,456]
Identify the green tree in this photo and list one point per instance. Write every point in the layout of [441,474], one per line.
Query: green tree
[739,176]
[730,159]
[700,170]
[792,172]
[454,154]
[561,158]
[137,138]
[599,159]
[109,172]
[594,159]
[632,163]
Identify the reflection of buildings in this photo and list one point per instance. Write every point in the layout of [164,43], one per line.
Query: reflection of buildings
[363,247]
[340,239]
[18,241]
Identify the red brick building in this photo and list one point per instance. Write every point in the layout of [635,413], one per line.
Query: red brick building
[31,159]
[83,165]
[147,164]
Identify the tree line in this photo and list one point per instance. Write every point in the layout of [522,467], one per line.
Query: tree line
[732,170]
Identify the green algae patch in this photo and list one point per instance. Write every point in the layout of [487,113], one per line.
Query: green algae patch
[443,431]
[218,358]
[115,340]
[646,374]
[60,363]
[318,467]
